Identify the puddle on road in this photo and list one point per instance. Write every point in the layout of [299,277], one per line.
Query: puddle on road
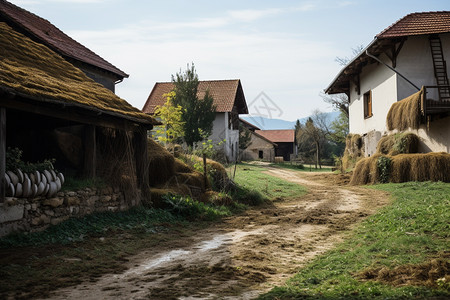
[190,254]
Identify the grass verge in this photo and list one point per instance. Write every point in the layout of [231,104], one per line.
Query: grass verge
[251,177]
[399,253]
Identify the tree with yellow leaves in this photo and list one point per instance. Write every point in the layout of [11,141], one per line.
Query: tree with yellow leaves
[170,115]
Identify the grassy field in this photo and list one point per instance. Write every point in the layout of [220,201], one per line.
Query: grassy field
[402,252]
[252,177]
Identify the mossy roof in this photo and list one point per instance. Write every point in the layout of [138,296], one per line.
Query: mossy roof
[34,71]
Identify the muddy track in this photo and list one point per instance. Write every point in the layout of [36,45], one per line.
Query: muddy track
[245,255]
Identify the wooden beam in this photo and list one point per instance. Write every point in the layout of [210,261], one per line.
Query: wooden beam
[90,152]
[70,113]
[2,152]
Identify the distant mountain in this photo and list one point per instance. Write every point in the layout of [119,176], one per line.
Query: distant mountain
[270,124]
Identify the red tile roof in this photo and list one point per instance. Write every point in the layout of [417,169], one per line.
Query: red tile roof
[44,32]
[226,94]
[418,24]
[278,136]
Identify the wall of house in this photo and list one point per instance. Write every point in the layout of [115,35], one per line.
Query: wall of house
[415,63]
[383,84]
[36,214]
[229,138]
[259,144]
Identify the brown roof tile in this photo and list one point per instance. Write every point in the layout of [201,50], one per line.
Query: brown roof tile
[418,24]
[278,136]
[45,32]
[226,94]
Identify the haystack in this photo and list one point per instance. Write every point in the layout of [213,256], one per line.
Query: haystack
[366,171]
[161,163]
[353,151]
[421,167]
[405,114]
[399,143]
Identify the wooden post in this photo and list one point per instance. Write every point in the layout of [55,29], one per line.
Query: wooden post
[141,156]
[2,153]
[205,174]
[90,152]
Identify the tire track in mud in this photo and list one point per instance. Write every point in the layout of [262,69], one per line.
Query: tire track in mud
[246,255]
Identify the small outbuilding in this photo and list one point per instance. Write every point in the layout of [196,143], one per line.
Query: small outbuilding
[284,139]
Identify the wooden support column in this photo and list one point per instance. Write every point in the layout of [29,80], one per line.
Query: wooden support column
[141,157]
[2,153]
[90,152]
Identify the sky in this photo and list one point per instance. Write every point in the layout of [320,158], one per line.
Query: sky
[284,52]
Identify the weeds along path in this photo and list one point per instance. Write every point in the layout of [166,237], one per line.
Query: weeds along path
[245,255]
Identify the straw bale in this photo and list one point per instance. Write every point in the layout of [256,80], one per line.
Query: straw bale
[405,113]
[366,171]
[353,151]
[32,69]
[399,143]
[421,167]
[161,163]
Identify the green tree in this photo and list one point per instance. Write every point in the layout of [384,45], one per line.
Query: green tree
[245,137]
[339,128]
[197,115]
[171,118]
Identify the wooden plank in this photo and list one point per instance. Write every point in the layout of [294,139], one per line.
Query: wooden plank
[2,152]
[90,152]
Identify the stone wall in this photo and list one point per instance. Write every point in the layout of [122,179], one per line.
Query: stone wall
[30,215]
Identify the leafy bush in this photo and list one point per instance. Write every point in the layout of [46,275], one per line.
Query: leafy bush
[384,168]
[14,161]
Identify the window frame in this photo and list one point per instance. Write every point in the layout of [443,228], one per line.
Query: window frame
[368,104]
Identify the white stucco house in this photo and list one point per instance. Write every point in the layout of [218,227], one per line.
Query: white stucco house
[229,100]
[406,56]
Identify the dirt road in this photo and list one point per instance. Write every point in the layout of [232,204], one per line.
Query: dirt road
[245,255]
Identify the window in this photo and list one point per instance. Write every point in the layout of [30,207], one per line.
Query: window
[368,104]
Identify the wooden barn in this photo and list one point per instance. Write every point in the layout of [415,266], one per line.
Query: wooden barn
[51,109]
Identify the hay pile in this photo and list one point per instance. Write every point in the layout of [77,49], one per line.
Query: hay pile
[421,167]
[399,143]
[171,175]
[405,114]
[353,151]
[396,161]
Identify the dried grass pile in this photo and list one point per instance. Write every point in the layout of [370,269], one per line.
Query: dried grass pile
[424,274]
[399,143]
[405,113]
[366,171]
[397,161]
[353,151]
[161,164]
[420,167]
